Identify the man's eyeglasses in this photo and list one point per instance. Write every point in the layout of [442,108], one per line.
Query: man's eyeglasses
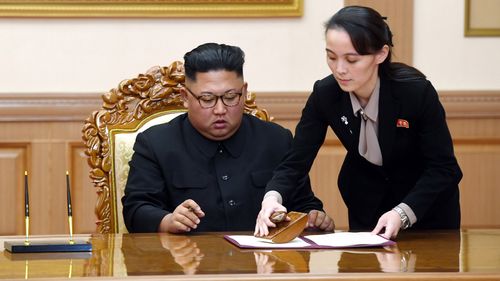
[210,100]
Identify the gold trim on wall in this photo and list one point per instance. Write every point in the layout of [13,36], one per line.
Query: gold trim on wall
[151,9]
[481,18]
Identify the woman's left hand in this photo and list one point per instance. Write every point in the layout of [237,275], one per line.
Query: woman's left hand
[391,221]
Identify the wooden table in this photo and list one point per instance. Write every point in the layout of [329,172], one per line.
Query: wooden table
[472,254]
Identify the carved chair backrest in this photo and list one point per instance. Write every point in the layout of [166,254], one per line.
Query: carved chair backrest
[109,133]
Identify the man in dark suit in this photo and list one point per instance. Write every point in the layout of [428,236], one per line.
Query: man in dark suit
[207,170]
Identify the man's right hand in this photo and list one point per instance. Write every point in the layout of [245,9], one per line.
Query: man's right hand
[184,218]
[269,205]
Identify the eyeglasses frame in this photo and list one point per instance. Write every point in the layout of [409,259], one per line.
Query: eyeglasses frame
[217,97]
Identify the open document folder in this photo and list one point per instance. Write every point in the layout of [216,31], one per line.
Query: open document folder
[319,241]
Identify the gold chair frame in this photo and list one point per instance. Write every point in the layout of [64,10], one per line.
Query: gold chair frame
[127,108]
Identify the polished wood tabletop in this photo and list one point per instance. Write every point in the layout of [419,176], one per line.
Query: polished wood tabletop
[472,254]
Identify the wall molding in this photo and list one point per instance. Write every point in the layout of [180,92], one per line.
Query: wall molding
[471,103]
[48,106]
[63,107]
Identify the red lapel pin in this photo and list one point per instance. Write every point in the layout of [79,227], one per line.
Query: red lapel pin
[402,124]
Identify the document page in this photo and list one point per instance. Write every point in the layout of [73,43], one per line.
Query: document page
[249,241]
[347,239]
[319,241]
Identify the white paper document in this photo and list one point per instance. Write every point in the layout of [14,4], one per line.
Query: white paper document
[255,242]
[347,239]
[319,241]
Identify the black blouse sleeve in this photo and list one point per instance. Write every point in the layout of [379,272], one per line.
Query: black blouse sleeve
[309,136]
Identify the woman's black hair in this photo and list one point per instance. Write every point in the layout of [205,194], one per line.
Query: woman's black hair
[369,33]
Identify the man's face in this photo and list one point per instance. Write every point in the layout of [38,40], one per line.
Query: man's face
[220,121]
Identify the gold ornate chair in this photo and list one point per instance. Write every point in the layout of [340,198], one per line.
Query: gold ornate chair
[109,133]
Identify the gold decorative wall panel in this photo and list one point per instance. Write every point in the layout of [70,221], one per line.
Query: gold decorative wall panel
[151,9]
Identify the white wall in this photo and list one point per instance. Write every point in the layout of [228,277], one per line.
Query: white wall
[93,55]
[450,60]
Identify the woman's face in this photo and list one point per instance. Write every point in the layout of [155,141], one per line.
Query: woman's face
[354,72]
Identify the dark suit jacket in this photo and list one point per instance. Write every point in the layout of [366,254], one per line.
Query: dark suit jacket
[172,162]
[419,166]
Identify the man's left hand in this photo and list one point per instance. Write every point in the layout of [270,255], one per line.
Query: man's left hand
[320,220]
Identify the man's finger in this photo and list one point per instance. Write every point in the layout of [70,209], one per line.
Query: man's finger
[191,221]
[192,206]
[327,224]
[311,220]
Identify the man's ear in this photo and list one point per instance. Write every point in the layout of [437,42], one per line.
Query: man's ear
[382,54]
[245,90]
[184,98]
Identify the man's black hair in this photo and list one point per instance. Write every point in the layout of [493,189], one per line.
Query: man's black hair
[213,57]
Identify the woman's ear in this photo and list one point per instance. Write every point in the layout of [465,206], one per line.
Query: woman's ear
[382,54]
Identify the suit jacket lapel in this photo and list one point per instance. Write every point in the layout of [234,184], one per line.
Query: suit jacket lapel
[346,122]
[388,113]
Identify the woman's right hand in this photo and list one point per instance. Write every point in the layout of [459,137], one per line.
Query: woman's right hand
[269,206]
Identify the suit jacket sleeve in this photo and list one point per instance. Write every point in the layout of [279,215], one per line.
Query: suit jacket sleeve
[143,207]
[303,198]
[309,136]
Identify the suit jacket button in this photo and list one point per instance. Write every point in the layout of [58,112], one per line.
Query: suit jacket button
[231,203]
[225,177]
